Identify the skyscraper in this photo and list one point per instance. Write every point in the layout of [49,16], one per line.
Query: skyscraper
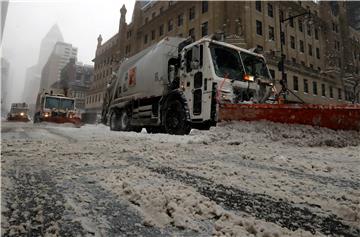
[33,73]
[5,68]
[60,56]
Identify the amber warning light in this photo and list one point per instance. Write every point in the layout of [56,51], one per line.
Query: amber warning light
[248,77]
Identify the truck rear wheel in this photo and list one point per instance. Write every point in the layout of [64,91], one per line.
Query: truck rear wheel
[124,121]
[175,118]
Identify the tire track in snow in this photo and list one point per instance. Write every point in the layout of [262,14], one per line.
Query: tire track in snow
[262,206]
[105,212]
[34,207]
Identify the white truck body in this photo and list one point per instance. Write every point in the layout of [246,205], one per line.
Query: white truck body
[197,75]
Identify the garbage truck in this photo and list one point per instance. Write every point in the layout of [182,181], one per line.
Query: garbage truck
[177,84]
[19,112]
[53,106]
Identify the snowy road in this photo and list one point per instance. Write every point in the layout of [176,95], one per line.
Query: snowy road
[238,179]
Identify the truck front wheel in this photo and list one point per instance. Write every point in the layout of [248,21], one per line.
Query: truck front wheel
[175,118]
[114,122]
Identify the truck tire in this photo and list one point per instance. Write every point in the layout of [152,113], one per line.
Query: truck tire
[114,121]
[124,121]
[175,118]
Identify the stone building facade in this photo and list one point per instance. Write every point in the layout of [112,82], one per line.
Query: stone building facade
[315,47]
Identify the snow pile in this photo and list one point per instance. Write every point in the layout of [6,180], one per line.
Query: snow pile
[164,202]
[238,132]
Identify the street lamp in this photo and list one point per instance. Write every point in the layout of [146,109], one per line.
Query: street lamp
[281,65]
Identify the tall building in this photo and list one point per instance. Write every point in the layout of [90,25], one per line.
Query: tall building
[76,78]
[5,69]
[317,48]
[60,56]
[4,7]
[33,73]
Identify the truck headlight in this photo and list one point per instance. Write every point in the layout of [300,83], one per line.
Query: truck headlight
[46,115]
[22,114]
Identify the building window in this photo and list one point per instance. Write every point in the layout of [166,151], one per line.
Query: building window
[308,27]
[204,29]
[146,20]
[128,34]
[323,90]
[315,92]
[192,33]
[293,60]
[161,30]
[302,46]
[258,6]
[292,42]
[271,33]
[170,25]
[310,49]
[316,31]
[204,6]
[161,10]
[270,10]
[127,49]
[153,15]
[258,27]
[281,14]
[180,20]
[331,92]
[192,13]
[339,94]
[337,45]
[318,53]
[145,39]
[300,23]
[296,83]
[291,21]
[306,86]
[152,34]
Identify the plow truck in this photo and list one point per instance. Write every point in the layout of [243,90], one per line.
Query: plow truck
[177,84]
[56,108]
[19,112]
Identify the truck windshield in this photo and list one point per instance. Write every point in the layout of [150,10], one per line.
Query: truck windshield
[67,104]
[254,65]
[226,62]
[59,103]
[52,103]
[18,110]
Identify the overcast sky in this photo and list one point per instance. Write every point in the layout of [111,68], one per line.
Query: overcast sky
[80,22]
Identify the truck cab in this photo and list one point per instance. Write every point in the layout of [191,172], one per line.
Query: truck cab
[19,112]
[55,108]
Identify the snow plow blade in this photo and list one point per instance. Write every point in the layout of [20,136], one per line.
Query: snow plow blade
[18,119]
[76,121]
[336,117]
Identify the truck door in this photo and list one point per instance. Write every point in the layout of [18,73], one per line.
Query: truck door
[197,84]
